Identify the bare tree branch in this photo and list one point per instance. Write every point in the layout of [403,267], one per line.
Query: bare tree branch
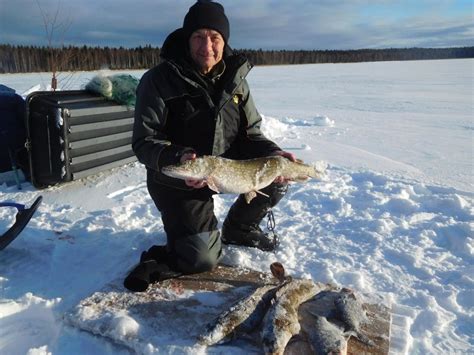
[58,55]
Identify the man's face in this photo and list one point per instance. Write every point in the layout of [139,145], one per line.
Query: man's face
[206,47]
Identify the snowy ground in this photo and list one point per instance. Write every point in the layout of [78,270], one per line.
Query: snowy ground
[393,217]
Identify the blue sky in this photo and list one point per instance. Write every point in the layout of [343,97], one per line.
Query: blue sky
[266,24]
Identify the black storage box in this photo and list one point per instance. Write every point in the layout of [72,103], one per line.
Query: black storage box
[73,134]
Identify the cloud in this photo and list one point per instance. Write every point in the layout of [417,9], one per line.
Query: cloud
[267,24]
[351,25]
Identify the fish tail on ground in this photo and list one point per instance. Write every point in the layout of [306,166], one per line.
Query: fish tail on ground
[361,337]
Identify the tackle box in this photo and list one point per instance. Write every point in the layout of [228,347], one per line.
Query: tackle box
[74,134]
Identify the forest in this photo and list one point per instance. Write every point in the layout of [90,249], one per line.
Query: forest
[26,59]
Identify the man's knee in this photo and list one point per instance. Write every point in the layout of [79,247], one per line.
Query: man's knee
[198,253]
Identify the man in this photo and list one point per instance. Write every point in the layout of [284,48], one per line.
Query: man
[197,102]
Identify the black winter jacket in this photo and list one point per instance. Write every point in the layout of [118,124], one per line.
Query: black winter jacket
[178,109]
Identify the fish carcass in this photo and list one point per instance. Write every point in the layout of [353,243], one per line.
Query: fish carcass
[281,321]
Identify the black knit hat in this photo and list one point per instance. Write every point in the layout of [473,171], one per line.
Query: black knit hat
[206,14]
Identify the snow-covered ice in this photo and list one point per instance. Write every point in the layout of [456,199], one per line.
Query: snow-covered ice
[393,217]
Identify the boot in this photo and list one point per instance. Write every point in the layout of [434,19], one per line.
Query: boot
[157,253]
[241,226]
[155,265]
[249,236]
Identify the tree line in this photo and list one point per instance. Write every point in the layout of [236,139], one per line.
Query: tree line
[261,57]
[25,59]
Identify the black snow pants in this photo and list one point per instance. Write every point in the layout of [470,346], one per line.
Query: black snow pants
[193,237]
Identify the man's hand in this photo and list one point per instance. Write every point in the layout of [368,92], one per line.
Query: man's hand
[287,155]
[197,184]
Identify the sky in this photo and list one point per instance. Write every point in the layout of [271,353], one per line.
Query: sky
[265,24]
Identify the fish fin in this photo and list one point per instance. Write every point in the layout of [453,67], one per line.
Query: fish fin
[301,178]
[249,196]
[212,184]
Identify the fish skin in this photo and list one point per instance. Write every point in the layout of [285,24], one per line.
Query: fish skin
[349,310]
[327,338]
[256,317]
[241,176]
[245,314]
[281,321]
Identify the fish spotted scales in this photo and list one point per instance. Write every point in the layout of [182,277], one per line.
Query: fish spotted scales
[242,176]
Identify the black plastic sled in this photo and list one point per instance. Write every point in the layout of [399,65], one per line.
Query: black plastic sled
[23,216]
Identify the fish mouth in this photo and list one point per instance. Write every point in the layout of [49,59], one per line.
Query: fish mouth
[173,172]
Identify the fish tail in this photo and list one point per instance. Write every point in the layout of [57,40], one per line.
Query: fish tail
[318,169]
[364,339]
[359,336]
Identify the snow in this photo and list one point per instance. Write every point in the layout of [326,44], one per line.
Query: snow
[392,218]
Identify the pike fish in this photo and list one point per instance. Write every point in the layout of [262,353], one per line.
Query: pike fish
[242,176]
[281,321]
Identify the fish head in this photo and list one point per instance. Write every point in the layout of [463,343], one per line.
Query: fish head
[197,169]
